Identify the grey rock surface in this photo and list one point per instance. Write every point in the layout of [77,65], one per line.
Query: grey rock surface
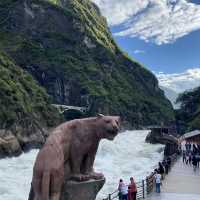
[87,190]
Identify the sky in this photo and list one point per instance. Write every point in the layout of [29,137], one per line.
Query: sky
[163,35]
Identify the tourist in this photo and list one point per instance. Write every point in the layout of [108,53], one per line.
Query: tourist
[198,148]
[190,158]
[166,166]
[187,158]
[169,162]
[183,147]
[198,159]
[189,146]
[157,177]
[195,149]
[184,156]
[123,190]
[186,146]
[132,189]
[119,188]
[161,170]
[194,162]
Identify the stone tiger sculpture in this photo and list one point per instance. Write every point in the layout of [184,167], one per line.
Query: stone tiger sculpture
[70,152]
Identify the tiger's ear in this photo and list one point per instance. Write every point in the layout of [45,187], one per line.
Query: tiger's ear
[100,115]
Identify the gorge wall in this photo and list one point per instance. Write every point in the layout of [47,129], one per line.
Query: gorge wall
[71,53]
[188,116]
[67,51]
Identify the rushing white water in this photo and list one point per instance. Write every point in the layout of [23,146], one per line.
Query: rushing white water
[128,155]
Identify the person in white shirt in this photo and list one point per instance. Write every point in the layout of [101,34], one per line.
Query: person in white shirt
[157,177]
[123,190]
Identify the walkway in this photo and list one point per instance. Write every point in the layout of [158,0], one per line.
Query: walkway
[182,183]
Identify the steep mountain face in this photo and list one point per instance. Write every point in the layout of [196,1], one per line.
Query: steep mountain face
[67,47]
[188,115]
[25,111]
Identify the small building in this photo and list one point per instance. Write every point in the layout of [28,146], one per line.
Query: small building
[193,137]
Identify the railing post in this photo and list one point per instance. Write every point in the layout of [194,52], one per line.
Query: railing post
[143,189]
[109,197]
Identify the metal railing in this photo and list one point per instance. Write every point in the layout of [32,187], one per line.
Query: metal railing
[145,186]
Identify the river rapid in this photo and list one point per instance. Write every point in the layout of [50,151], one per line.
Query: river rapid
[128,155]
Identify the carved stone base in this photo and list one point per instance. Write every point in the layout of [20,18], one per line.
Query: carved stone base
[87,190]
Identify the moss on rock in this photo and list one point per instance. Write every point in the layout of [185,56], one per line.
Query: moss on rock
[21,97]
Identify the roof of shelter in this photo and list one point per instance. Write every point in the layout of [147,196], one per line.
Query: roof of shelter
[191,134]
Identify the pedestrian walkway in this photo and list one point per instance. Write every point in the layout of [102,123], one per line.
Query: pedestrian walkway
[182,183]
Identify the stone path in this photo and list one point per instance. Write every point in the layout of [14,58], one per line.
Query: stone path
[182,183]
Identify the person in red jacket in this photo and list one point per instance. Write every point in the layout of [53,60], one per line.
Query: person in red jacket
[132,189]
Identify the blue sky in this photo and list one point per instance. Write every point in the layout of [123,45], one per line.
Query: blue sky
[163,35]
[174,57]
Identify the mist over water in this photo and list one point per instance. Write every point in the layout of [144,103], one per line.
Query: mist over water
[128,155]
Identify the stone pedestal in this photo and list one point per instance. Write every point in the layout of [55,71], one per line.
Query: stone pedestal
[87,190]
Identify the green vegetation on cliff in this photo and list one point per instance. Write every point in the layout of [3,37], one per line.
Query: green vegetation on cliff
[21,98]
[189,113]
[68,48]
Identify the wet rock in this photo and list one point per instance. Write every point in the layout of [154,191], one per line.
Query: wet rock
[9,146]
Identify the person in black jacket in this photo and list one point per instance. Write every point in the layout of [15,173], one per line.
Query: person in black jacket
[194,162]
[164,163]
[169,161]
[161,169]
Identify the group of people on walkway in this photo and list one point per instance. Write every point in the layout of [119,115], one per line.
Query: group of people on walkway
[191,155]
[163,168]
[127,192]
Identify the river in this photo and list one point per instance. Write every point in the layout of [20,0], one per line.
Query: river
[128,155]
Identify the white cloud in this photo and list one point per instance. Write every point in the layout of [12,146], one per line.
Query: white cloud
[119,11]
[180,82]
[137,51]
[160,21]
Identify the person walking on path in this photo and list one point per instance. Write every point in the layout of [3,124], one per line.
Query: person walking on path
[161,170]
[189,147]
[198,159]
[169,162]
[132,189]
[186,146]
[194,162]
[198,148]
[119,189]
[195,149]
[187,158]
[157,177]
[123,190]
[190,158]
[165,164]
[184,157]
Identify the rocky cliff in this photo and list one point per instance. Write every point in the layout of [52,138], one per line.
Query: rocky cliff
[188,116]
[67,47]
[25,112]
